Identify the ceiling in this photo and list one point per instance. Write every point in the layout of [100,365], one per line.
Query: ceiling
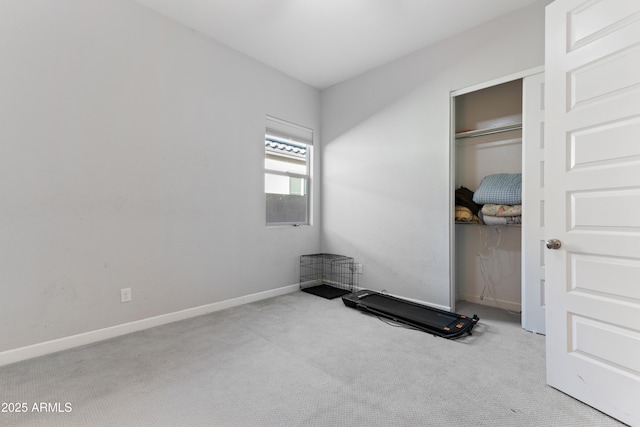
[323,42]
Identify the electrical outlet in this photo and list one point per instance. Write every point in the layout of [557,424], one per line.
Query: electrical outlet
[359,268]
[125,295]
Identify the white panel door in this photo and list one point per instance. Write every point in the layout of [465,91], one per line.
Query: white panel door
[533,274]
[592,156]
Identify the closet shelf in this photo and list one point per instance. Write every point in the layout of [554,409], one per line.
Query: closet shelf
[488,131]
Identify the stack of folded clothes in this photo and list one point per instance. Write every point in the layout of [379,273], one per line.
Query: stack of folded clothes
[501,197]
[466,209]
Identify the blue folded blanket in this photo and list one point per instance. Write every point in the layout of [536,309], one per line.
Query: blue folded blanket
[500,189]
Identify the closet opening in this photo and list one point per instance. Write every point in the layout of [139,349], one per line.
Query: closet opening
[489,167]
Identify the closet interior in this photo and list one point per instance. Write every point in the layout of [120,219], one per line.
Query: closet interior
[489,157]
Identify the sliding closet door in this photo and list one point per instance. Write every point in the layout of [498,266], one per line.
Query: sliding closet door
[533,275]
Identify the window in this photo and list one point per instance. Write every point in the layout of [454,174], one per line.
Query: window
[287,178]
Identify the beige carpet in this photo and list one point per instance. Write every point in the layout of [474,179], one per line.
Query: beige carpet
[297,360]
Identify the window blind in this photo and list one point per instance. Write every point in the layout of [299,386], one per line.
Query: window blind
[282,129]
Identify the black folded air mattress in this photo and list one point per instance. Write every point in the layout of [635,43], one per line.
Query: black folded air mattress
[428,319]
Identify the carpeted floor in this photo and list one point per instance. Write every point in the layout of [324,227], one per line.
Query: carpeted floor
[296,360]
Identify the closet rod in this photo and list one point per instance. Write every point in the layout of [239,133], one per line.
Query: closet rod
[489,131]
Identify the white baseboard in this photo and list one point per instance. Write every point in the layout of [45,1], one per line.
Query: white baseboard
[430,304]
[417,301]
[47,347]
[506,305]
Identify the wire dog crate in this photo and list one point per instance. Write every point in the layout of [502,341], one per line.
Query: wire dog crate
[328,275]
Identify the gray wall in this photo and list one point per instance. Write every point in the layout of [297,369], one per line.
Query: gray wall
[133,156]
[386,194]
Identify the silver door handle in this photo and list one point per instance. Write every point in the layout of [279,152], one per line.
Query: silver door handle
[553,244]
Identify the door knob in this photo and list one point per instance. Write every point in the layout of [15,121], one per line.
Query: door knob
[553,244]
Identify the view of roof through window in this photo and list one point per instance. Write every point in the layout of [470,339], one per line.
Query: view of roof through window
[283,146]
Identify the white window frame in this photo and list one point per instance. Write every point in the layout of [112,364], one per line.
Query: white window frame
[282,130]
